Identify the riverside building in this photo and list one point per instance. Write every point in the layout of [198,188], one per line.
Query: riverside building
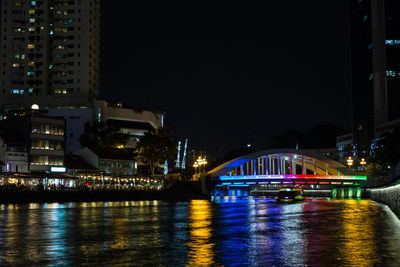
[43,136]
[49,53]
[375,75]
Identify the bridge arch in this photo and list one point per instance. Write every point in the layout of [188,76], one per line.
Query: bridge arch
[267,171]
[281,162]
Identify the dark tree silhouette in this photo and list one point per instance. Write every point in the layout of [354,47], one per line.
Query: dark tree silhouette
[103,135]
[154,148]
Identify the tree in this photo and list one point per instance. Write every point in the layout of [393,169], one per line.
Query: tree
[154,148]
[104,135]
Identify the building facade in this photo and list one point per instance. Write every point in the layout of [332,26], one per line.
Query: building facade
[43,136]
[14,156]
[75,120]
[49,53]
[112,162]
[132,121]
[375,54]
[47,143]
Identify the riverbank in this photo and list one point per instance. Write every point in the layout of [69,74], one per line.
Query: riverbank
[90,196]
[179,192]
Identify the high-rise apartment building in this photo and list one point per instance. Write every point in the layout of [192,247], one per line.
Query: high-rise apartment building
[49,53]
[375,67]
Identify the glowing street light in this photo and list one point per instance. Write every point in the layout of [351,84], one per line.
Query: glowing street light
[363,163]
[350,161]
[198,163]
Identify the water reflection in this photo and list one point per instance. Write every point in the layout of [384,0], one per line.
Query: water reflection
[293,245]
[201,250]
[228,232]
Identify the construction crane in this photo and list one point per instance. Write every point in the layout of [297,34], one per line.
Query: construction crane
[178,156]
[184,154]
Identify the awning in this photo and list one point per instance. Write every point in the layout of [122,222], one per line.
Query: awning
[40,175]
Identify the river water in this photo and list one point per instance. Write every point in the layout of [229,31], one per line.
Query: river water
[222,232]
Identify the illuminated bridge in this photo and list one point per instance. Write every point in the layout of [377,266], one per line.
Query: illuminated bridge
[265,172]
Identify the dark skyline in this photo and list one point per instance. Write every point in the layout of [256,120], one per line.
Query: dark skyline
[223,74]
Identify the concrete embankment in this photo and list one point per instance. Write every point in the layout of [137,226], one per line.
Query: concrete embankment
[389,195]
[179,192]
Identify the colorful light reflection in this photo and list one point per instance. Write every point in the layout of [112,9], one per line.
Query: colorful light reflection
[292,176]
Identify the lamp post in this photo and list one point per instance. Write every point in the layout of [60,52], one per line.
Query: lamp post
[198,163]
[363,163]
[350,162]
[204,161]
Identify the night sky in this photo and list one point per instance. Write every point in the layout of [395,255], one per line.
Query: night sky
[226,76]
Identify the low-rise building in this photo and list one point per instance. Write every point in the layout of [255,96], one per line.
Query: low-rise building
[43,137]
[132,121]
[13,155]
[112,162]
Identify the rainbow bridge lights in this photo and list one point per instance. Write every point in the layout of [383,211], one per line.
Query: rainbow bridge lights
[284,167]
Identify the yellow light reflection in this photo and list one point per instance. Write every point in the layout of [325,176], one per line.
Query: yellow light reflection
[358,244]
[201,251]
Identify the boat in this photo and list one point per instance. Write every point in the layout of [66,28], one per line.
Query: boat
[290,194]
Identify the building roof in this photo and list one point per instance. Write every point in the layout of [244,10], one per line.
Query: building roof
[41,175]
[74,162]
[140,125]
[111,153]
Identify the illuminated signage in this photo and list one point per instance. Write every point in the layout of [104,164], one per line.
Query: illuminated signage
[58,169]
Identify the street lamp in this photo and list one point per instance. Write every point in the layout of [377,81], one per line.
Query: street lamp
[204,162]
[363,163]
[198,163]
[350,161]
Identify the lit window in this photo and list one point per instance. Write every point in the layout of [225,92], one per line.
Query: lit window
[31,46]
[17,91]
[31,64]
[30,90]
[392,42]
[22,56]
[31,12]
[390,73]
[33,3]
[15,65]
[32,20]
[31,29]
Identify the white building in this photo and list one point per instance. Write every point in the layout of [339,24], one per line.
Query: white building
[75,120]
[112,162]
[132,121]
